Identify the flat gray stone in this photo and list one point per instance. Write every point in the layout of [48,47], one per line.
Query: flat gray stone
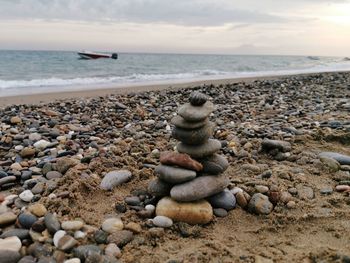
[214,164]
[341,158]
[196,113]
[9,256]
[180,122]
[194,136]
[52,224]
[200,151]
[276,144]
[199,188]
[174,175]
[115,178]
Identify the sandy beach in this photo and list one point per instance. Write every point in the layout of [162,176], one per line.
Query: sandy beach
[285,139]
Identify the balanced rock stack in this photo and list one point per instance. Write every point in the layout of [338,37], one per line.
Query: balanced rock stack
[192,176]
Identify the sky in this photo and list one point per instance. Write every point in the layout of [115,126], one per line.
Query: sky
[276,27]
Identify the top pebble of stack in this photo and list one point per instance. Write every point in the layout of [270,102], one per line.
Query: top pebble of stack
[198,98]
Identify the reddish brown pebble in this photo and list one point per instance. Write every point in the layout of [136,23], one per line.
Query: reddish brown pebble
[180,159]
[342,188]
[2,198]
[274,197]
[241,200]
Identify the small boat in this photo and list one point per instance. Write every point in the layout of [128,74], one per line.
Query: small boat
[96,55]
[346,59]
[313,58]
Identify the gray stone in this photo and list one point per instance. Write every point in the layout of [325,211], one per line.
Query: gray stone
[84,251]
[220,212]
[224,199]
[196,113]
[7,179]
[121,238]
[330,163]
[214,164]
[100,237]
[20,233]
[115,178]
[26,220]
[197,98]
[52,224]
[194,136]
[27,259]
[174,175]
[341,158]
[199,188]
[9,256]
[53,174]
[260,204]
[200,151]
[276,144]
[180,122]
[162,221]
[159,188]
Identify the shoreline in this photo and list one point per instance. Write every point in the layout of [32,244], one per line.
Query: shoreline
[125,89]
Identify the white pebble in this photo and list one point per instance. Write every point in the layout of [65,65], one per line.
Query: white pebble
[79,235]
[162,221]
[26,196]
[112,250]
[111,225]
[150,208]
[11,243]
[72,260]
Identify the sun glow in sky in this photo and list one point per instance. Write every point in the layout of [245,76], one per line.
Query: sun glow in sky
[299,27]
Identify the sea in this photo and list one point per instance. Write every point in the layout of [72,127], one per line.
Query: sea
[35,72]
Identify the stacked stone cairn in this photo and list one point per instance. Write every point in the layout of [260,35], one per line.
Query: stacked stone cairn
[191,180]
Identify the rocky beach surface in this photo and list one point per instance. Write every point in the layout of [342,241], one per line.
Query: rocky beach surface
[242,172]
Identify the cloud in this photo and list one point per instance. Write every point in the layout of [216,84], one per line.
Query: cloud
[180,12]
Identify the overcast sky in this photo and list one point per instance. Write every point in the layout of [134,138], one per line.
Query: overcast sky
[290,27]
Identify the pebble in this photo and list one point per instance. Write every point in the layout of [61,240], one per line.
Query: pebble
[193,136]
[27,152]
[159,188]
[214,164]
[326,191]
[41,145]
[64,164]
[52,224]
[113,250]
[72,225]
[37,209]
[180,159]
[8,179]
[199,188]
[121,238]
[162,221]
[194,113]
[261,189]
[342,188]
[66,243]
[26,196]
[79,235]
[11,243]
[72,260]
[291,204]
[100,237]
[115,178]
[285,197]
[83,251]
[132,200]
[150,208]
[57,236]
[53,174]
[111,225]
[26,220]
[220,212]
[174,175]
[241,200]
[200,151]
[17,232]
[260,204]
[340,158]
[276,144]
[199,212]
[134,227]
[224,199]
[9,256]
[330,163]
[7,218]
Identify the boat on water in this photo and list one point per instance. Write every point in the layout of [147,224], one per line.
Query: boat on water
[313,57]
[96,55]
